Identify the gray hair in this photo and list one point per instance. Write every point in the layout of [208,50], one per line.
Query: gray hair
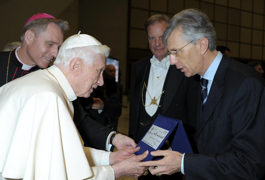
[40,25]
[86,54]
[11,46]
[194,25]
[155,18]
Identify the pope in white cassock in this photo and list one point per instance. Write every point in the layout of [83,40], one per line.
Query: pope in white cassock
[38,137]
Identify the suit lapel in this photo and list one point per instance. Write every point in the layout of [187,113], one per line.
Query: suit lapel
[172,82]
[210,105]
[141,74]
[215,94]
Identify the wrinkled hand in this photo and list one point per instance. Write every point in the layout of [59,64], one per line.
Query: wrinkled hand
[97,104]
[123,142]
[130,167]
[120,155]
[170,164]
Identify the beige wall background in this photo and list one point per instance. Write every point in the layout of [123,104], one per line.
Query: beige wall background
[239,24]
[14,14]
[107,21]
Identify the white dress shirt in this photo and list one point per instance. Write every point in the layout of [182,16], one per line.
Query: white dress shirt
[157,76]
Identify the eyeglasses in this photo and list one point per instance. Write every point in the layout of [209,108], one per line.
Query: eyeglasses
[176,51]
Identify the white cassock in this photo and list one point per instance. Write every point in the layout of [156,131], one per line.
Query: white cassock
[38,138]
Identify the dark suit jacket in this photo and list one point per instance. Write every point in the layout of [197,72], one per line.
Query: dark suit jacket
[112,106]
[179,95]
[230,136]
[108,94]
[93,133]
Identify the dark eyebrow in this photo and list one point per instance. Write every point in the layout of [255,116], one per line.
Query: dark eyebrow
[53,42]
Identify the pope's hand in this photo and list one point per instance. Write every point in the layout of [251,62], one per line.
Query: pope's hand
[130,167]
[170,164]
[120,155]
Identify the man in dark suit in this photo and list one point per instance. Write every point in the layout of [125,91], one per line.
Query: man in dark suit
[230,129]
[104,105]
[111,70]
[158,88]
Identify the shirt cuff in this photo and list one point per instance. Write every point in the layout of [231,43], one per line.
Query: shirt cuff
[182,164]
[105,158]
[100,111]
[108,146]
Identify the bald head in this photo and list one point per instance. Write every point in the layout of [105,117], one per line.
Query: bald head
[111,70]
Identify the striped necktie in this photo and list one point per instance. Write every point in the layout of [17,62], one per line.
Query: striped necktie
[204,83]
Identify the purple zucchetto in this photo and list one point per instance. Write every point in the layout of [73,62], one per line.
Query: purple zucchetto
[38,16]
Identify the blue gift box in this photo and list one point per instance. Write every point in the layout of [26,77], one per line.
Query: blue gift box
[159,132]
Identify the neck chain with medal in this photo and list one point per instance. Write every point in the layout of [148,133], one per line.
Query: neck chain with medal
[153,100]
[65,97]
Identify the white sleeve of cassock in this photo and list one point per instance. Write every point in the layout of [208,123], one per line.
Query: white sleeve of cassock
[97,157]
[98,161]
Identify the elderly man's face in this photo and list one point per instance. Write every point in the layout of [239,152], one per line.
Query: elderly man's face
[43,49]
[155,33]
[91,76]
[111,70]
[188,59]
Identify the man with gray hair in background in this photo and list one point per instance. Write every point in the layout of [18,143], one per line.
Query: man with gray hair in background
[37,134]
[230,122]
[11,46]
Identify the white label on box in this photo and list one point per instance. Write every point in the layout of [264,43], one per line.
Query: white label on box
[155,136]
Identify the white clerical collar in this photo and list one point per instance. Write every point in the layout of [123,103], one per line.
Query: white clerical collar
[24,66]
[63,82]
[165,63]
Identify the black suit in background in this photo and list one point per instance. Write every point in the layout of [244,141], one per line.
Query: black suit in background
[112,107]
[230,135]
[93,133]
[179,101]
[13,66]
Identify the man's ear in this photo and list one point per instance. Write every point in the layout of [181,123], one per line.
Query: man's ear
[204,45]
[75,66]
[29,36]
